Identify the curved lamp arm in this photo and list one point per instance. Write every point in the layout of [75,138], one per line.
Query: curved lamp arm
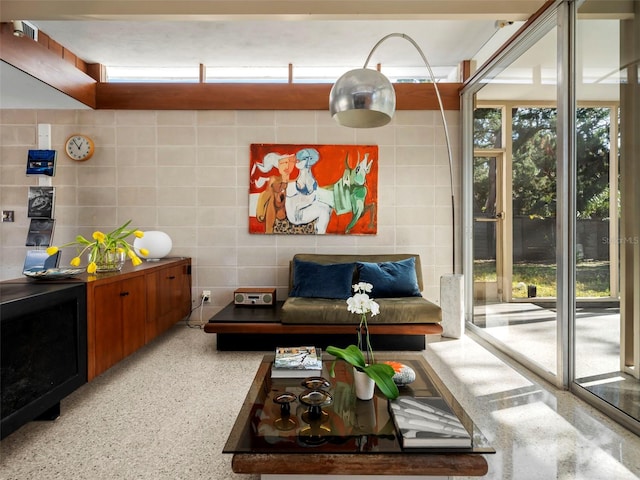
[444,120]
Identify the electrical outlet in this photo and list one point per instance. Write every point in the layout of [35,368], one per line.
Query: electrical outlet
[206,296]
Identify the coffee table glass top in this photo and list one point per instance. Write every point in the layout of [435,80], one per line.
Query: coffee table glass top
[333,421]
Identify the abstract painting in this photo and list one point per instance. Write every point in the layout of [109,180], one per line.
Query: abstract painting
[313,189]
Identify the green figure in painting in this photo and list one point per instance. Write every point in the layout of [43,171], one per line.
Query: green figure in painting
[351,191]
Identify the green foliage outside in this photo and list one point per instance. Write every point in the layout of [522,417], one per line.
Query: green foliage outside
[592,278]
[534,159]
[534,186]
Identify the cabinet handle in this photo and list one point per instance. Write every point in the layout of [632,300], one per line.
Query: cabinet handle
[124,294]
[171,277]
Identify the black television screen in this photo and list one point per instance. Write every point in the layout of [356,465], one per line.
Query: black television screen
[43,351]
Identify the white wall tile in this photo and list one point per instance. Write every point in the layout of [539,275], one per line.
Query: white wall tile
[186,173]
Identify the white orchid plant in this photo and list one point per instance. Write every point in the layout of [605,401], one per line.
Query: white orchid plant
[361,304]
[382,374]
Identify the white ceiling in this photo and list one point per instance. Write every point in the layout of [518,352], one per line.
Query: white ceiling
[270,43]
[330,40]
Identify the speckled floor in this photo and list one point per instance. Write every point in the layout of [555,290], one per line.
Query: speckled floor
[165,412]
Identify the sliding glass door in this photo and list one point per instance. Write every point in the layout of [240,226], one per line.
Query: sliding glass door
[607,154]
[551,174]
[514,195]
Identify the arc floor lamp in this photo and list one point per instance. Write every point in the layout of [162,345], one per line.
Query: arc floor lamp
[365,98]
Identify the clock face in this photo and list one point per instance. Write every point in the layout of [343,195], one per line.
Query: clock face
[79,147]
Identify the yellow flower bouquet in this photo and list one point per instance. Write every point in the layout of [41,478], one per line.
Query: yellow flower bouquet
[107,250]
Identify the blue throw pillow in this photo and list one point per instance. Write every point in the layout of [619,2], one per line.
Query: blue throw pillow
[390,279]
[322,281]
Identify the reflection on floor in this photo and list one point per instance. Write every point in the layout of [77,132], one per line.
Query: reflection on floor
[619,389]
[531,329]
[165,412]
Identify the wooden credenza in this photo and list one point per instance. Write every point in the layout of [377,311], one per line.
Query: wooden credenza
[128,309]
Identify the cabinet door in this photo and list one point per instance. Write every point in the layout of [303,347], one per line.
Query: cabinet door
[173,296]
[134,314]
[109,345]
[120,313]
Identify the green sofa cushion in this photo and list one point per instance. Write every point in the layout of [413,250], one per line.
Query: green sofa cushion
[300,310]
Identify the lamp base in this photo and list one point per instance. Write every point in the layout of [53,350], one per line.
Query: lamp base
[452,305]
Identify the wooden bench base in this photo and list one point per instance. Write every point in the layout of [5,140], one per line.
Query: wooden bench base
[297,328]
[259,328]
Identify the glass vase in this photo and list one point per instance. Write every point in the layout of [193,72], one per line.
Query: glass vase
[107,260]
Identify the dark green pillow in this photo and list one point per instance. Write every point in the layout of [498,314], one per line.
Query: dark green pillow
[390,279]
[322,281]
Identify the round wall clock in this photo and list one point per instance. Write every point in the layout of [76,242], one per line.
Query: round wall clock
[79,147]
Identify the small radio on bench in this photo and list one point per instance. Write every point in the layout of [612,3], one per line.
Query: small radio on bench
[255,296]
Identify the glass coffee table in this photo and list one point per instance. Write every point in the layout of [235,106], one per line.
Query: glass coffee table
[280,430]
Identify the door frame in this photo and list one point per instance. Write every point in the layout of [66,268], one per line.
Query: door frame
[502,222]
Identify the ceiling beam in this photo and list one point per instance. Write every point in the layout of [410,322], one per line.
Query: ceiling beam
[51,68]
[46,65]
[278,9]
[261,96]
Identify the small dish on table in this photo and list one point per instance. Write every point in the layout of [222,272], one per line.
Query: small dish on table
[52,273]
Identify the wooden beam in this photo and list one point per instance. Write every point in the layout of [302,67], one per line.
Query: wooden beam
[278,328]
[97,71]
[211,96]
[57,67]
[249,96]
[422,96]
[46,65]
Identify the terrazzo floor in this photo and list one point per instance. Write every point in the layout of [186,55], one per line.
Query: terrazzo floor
[532,331]
[165,413]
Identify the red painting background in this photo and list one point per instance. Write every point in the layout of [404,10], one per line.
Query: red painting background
[327,171]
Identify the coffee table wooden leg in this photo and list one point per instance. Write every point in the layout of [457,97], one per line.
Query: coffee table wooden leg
[361,464]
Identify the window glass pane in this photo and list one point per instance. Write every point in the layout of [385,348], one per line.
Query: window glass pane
[607,193]
[592,202]
[487,128]
[514,194]
[484,211]
[534,202]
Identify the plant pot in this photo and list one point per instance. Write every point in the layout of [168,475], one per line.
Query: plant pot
[107,260]
[364,385]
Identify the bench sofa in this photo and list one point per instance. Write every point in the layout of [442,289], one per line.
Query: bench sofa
[320,297]
[315,312]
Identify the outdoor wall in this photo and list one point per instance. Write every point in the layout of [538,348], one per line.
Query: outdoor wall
[186,173]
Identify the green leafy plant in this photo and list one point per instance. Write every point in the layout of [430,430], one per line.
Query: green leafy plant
[381,373]
[114,241]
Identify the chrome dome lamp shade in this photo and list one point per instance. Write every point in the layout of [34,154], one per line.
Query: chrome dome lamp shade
[365,98]
[362,98]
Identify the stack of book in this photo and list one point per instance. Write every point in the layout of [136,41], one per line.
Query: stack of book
[297,362]
[428,422]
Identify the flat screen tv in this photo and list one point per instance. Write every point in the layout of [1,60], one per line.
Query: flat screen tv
[43,350]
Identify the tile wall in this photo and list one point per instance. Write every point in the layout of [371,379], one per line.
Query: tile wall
[186,173]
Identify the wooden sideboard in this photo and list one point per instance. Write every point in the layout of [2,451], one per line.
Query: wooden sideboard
[58,334]
[128,309]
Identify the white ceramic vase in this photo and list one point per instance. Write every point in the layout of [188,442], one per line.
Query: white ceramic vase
[158,243]
[364,385]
